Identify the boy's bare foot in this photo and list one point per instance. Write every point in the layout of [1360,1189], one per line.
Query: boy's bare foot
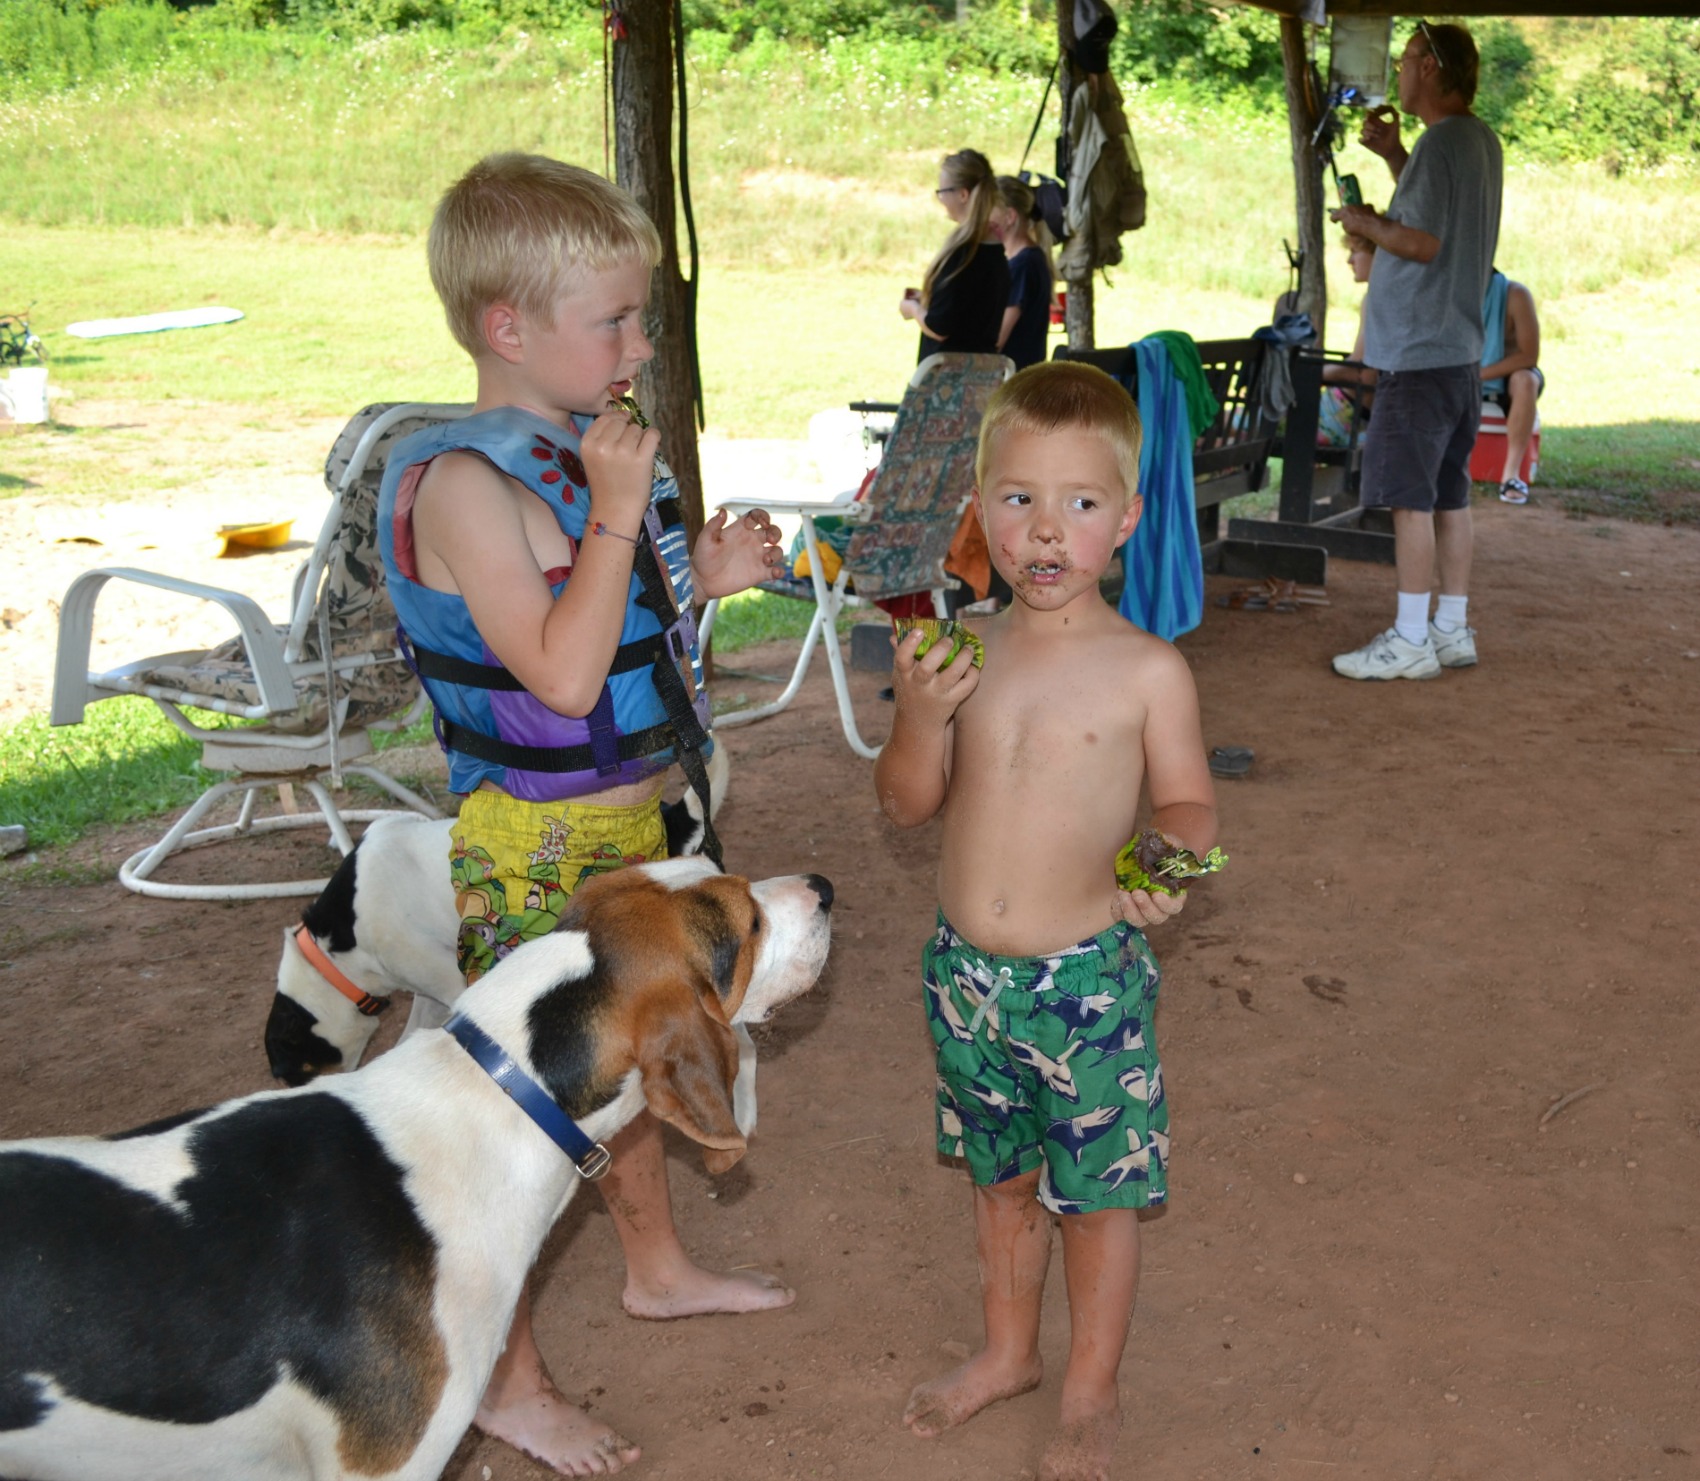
[1082,1446]
[693,1291]
[548,1428]
[963,1392]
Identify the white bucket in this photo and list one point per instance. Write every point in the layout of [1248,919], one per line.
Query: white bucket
[24,394]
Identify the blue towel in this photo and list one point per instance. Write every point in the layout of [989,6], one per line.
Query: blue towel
[1163,589]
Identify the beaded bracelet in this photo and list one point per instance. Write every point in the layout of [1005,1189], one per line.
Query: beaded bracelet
[602,529]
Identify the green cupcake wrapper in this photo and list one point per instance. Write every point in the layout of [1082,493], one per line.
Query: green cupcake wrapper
[937,629]
[1172,872]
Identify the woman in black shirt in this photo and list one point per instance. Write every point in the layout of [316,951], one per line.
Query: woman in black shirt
[959,306]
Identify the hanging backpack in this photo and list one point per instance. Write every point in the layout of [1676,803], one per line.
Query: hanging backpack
[1094,30]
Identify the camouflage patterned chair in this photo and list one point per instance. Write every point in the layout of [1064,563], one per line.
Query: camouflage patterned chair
[902,528]
[312,690]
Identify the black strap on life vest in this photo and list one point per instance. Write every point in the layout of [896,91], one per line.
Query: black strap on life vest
[582,757]
[428,664]
[670,684]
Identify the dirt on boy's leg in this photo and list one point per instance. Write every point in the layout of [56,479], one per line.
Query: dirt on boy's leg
[662,1281]
[523,1407]
[1012,1235]
[1101,1268]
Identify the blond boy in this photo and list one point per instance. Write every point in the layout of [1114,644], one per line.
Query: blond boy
[514,543]
[1040,986]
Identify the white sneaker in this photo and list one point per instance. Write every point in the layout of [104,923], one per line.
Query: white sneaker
[1456,649]
[1390,657]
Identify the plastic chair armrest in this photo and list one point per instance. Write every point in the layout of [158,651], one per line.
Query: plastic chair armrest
[76,638]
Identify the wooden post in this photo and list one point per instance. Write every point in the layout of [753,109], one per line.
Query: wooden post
[1078,325]
[1077,317]
[643,163]
[1307,174]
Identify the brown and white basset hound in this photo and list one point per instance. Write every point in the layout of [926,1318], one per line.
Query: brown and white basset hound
[386,923]
[316,1283]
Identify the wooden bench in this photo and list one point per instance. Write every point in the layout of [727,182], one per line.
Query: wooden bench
[1229,458]
[1319,485]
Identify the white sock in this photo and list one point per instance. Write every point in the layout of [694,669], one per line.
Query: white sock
[1412,621]
[1449,612]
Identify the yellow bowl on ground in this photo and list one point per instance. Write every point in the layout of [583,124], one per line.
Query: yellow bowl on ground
[265,535]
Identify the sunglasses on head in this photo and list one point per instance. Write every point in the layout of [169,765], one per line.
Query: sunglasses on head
[1427,33]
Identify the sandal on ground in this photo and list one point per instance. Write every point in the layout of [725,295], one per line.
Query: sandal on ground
[1291,591]
[1514,491]
[1253,599]
[1231,761]
[1273,595]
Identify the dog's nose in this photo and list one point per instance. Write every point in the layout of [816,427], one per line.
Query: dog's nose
[822,887]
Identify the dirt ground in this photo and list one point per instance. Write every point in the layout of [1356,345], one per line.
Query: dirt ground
[1449,905]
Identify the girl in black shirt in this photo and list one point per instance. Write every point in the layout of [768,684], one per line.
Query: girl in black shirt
[1027,246]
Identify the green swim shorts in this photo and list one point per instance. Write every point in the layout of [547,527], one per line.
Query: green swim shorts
[1052,1062]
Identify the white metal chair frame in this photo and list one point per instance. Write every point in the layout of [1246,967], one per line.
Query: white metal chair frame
[833,598]
[264,757]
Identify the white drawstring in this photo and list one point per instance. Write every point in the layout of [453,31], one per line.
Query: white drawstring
[1005,979]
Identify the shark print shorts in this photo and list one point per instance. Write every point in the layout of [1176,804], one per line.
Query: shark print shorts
[1051,1062]
[515,865]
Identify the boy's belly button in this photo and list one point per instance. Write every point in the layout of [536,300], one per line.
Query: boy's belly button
[997,907]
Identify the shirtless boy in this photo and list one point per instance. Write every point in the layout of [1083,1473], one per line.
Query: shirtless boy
[515,542]
[1040,985]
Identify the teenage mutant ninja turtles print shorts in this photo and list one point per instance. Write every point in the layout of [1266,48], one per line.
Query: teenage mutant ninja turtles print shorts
[1051,1062]
[516,864]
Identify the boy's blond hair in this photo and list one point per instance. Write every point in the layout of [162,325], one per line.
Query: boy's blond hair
[518,229]
[1056,395]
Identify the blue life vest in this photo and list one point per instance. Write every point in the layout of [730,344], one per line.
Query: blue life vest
[490,726]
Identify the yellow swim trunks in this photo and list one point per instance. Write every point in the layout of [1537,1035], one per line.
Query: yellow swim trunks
[515,864]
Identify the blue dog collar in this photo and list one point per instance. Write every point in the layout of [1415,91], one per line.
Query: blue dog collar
[590,1158]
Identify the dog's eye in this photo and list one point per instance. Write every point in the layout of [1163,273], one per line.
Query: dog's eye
[756,924]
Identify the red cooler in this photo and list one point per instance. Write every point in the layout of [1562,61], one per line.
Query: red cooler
[1487,459]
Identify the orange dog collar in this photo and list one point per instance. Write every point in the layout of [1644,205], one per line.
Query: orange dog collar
[326,968]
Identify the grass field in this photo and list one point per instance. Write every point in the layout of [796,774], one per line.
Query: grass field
[294,182]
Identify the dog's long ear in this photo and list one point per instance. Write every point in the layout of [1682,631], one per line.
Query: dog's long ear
[688,1062]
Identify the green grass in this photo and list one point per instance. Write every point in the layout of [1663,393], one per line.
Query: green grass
[292,177]
[126,760]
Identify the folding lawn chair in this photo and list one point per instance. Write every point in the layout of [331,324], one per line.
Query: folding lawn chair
[901,530]
[313,689]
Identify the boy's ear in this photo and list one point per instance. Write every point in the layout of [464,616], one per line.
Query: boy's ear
[979,508]
[1130,519]
[504,332]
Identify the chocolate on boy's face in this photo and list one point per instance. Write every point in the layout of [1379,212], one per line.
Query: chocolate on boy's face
[1055,511]
[587,358]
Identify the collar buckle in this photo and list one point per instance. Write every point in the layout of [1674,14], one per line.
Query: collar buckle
[594,1163]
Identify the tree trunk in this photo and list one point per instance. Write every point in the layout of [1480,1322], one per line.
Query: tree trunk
[1077,317]
[1307,174]
[643,164]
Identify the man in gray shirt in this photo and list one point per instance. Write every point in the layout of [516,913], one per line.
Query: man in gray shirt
[1423,333]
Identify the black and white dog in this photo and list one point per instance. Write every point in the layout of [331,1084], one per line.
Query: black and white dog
[387,923]
[316,1283]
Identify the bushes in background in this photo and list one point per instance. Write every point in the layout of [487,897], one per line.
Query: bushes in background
[1620,91]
